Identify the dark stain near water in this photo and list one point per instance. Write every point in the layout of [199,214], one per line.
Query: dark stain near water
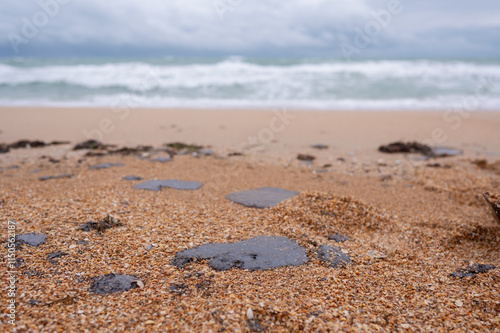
[5,148]
[333,256]
[105,166]
[416,147]
[32,239]
[261,197]
[156,185]
[258,253]
[112,283]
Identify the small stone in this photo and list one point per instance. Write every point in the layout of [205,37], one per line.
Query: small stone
[339,238]
[249,314]
[162,159]
[445,152]
[381,162]
[139,283]
[104,166]
[55,177]
[149,322]
[377,255]
[19,262]
[405,326]
[204,152]
[459,303]
[333,256]
[132,177]
[72,246]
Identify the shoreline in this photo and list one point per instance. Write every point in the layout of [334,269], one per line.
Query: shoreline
[71,123]
[265,135]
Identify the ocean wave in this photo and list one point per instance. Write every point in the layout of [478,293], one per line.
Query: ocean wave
[133,101]
[240,82]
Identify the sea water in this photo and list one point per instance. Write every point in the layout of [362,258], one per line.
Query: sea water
[236,82]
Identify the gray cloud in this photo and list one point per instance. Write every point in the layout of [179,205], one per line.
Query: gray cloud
[424,28]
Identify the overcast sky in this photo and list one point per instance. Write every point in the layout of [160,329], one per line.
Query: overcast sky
[322,28]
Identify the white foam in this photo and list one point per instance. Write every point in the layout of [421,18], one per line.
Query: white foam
[236,82]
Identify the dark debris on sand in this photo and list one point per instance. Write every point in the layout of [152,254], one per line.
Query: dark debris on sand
[406,147]
[5,148]
[338,238]
[106,223]
[90,144]
[180,146]
[484,165]
[131,150]
[418,148]
[55,177]
[472,270]
[493,201]
[113,283]
[32,239]
[304,157]
[320,146]
[55,255]
[258,253]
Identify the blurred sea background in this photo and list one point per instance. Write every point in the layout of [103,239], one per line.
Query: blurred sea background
[248,83]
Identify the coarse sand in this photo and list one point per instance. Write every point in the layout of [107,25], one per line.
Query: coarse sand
[407,225]
[406,236]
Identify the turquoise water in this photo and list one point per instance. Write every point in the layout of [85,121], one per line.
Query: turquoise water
[237,82]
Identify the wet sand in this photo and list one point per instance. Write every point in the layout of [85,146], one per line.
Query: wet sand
[411,222]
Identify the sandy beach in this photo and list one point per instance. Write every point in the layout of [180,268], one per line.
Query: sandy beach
[407,221]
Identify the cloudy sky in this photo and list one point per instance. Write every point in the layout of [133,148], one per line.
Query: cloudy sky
[322,28]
